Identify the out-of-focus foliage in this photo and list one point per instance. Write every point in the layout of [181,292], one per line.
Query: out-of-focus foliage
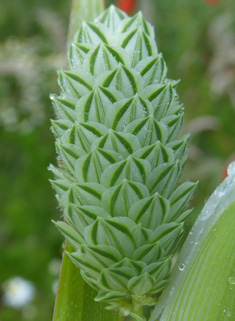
[32,47]
[197,42]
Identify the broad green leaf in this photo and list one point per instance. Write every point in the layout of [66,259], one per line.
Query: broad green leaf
[206,274]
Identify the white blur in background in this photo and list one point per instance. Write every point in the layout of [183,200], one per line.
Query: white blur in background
[18,292]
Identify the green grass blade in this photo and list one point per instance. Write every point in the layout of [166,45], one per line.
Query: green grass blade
[75,299]
[203,281]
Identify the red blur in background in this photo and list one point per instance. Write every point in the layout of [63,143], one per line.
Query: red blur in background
[129,6]
[213,2]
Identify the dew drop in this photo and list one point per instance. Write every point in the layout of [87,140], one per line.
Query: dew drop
[172,290]
[220,194]
[231,280]
[52,96]
[181,267]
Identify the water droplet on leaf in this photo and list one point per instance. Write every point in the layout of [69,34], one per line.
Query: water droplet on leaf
[231,280]
[181,267]
[52,96]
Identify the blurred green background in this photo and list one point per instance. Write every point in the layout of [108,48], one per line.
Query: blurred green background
[197,39]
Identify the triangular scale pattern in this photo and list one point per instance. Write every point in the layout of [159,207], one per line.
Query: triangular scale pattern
[120,161]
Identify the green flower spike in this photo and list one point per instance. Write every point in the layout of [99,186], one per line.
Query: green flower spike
[118,116]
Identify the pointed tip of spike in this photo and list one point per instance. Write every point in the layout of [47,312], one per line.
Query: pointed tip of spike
[111,7]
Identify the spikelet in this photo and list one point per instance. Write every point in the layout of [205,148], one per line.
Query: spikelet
[118,116]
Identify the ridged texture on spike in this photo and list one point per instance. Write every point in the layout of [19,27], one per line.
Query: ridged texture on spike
[118,116]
